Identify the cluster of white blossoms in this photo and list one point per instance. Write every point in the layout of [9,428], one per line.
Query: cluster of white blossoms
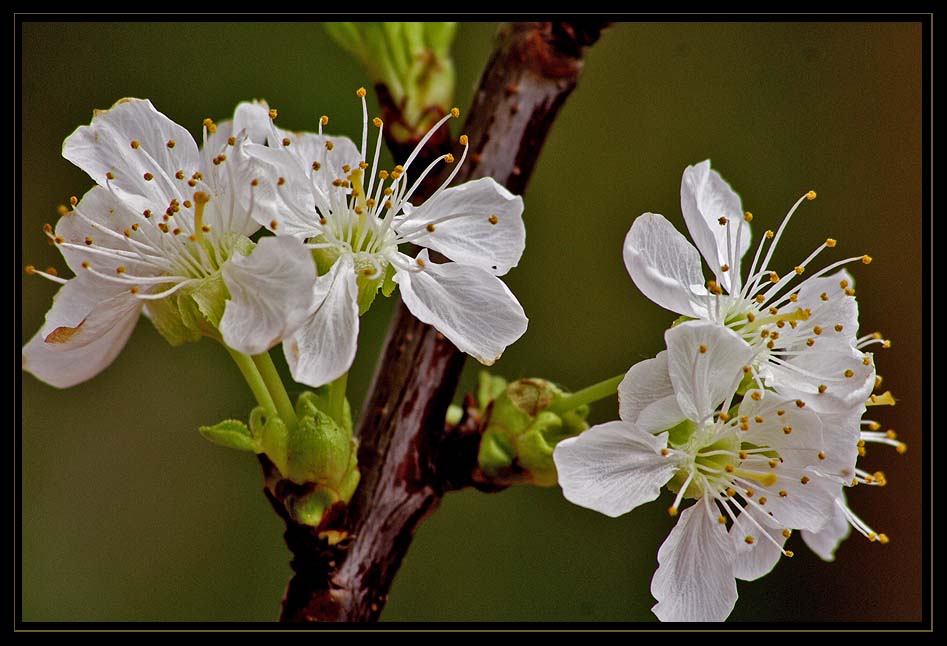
[753,411]
[166,231]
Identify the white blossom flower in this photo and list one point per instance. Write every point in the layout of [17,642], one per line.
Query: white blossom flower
[803,332]
[166,219]
[748,466]
[322,190]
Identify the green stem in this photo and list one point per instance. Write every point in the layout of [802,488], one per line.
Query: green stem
[593,393]
[337,398]
[284,406]
[253,378]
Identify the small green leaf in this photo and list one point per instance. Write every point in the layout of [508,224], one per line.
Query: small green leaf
[231,433]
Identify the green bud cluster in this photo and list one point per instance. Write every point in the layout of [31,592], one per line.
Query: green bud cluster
[521,433]
[317,451]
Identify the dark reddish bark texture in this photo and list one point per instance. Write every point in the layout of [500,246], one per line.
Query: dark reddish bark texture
[344,568]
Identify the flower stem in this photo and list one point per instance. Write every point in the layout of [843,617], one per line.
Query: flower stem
[337,397]
[593,393]
[284,406]
[253,378]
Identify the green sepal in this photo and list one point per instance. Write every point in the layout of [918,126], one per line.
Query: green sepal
[166,317]
[389,285]
[682,319]
[489,388]
[367,282]
[232,434]
[309,509]
[496,453]
[454,414]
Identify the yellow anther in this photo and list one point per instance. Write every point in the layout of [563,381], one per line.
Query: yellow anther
[730,492]
[722,221]
[748,216]
[822,388]
[810,342]
[120,270]
[420,262]
[723,416]
[134,290]
[146,213]
[273,224]
[210,125]
[316,165]
[872,537]
[493,219]
[148,177]
[273,113]
[830,242]
[383,174]
[254,182]
[749,540]
[463,140]
[762,500]
[810,195]
[746,370]
[800,403]
[804,479]
[783,493]
[749,493]
[817,330]
[744,455]
[455,112]
[750,317]
[773,463]
[176,232]
[891,435]
[361,92]
[329,145]
[722,520]
[280,181]
[30,269]
[724,267]
[773,277]
[448,158]
[430,228]
[362,165]
[789,554]
[883,539]
[187,204]
[787,533]
[793,297]
[231,141]
[163,227]
[821,455]
[346,168]
[170,143]
[127,233]
[866,259]
[744,426]
[787,430]
[729,468]
[135,227]
[702,348]
[769,233]
[824,296]
[62,209]
[324,120]
[88,241]
[780,412]
[672,511]
[901,448]
[377,122]
[286,141]
[756,396]
[799,270]
[135,144]
[774,311]
[760,298]
[764,333]
[110,175]
[839,327]
[665,453]
[886,344]
[759,420]
[179,174]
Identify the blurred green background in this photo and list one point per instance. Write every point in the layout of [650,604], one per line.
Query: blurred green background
[128,514]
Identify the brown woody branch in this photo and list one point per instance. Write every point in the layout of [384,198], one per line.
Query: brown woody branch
[344,569]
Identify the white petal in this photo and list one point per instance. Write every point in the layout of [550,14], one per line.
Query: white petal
[88,325]
[838,308]
[840,435]
[468,305]
[645,383]
[485,226]
[756,559]
[825,541]
[105,146]
[770,417]
[661,415]
[694,580]
[705,198]
[270,294]
[307,148]
[323,349]
[796,505]
[824,364]
[613,467]
[703,380]
[283,194]
[106,212]
[665,266]
[252,118]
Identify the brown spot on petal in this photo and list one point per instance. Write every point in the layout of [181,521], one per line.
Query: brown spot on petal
[62,334]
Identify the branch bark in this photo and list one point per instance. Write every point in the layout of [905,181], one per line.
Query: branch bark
[344,569]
